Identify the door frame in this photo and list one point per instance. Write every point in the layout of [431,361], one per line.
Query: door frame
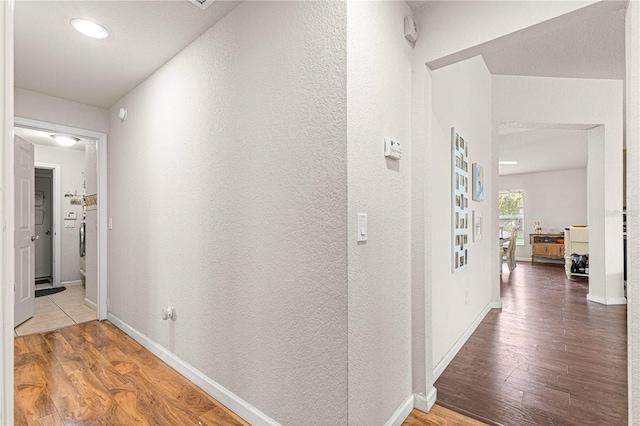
[101,167]
[55,217]
[7,291]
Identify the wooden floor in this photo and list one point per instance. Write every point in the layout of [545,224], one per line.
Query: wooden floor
[439,416]
[94,374]
[548,358]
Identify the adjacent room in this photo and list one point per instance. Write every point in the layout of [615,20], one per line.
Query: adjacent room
[64,264]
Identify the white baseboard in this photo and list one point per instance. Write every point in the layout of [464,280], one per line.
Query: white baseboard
[223,395]
[425,403]
[523,259]
[71,283]
[431,397]
[607,301]
[446,360]
[401,413]
[90,304]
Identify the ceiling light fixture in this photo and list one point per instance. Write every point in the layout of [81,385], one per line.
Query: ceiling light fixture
[65,140]
[507,163]
[89,28]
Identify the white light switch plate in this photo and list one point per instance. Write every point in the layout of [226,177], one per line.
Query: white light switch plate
[69,223]
[362,227]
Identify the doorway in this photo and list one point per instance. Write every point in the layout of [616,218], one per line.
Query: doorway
[70,297]
[71,190]
[44,227]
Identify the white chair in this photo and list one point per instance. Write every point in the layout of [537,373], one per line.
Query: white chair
[509,252]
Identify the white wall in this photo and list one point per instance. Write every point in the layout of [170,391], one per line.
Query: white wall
[228,193]
[379,105]
[461,99]
[588,103]
[7,299]
[71,168]
[632,86]
[91,232]
[37,106]
[557,199]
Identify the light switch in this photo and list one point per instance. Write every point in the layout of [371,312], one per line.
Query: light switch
[392,148]
[69,223]
[362,227]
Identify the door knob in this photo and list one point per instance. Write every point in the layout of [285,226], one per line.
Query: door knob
[35,237]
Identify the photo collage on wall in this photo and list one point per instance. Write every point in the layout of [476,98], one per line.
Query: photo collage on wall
[460,182]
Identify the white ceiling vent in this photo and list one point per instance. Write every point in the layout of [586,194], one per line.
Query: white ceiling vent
[202,4]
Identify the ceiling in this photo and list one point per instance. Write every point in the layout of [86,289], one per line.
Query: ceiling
[54,59]
[39,137]
[541,149]
[592,48]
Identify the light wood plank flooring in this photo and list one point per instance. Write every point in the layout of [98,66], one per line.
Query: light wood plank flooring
[94,374]
[57,311]
[549,358]
[439,416]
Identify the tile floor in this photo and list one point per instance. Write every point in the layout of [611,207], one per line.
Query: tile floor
[57,311]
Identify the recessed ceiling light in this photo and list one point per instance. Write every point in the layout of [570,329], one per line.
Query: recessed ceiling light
[507,163]
[89,28]
[65,140]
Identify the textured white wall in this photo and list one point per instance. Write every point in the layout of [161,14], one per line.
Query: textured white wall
[461,99]
[37,106]
[379,105]
[71,167]
[228,193]
[556,199]
[91,233]
[585,102]
[633,206]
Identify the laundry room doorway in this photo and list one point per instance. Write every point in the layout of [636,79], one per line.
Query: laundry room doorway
[44,226]
[71,217]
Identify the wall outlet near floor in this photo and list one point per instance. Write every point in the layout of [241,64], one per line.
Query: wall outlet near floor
[466,297]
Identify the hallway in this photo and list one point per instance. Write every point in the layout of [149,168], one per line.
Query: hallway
[550,357]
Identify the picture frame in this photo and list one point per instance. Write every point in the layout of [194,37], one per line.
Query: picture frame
[478,182]
[460,189]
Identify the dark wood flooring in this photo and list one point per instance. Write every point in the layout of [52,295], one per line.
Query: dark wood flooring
[549,357]
[94,374]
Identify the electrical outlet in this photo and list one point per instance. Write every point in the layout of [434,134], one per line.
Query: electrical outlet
[466,297]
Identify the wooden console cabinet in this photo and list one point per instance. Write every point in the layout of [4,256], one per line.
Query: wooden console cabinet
[547,246]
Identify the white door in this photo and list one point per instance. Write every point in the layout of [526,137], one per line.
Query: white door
[25,231]
[43,249]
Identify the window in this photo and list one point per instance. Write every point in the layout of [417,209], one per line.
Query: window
[511,211]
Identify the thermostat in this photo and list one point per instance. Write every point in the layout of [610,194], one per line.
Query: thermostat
[392,148]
